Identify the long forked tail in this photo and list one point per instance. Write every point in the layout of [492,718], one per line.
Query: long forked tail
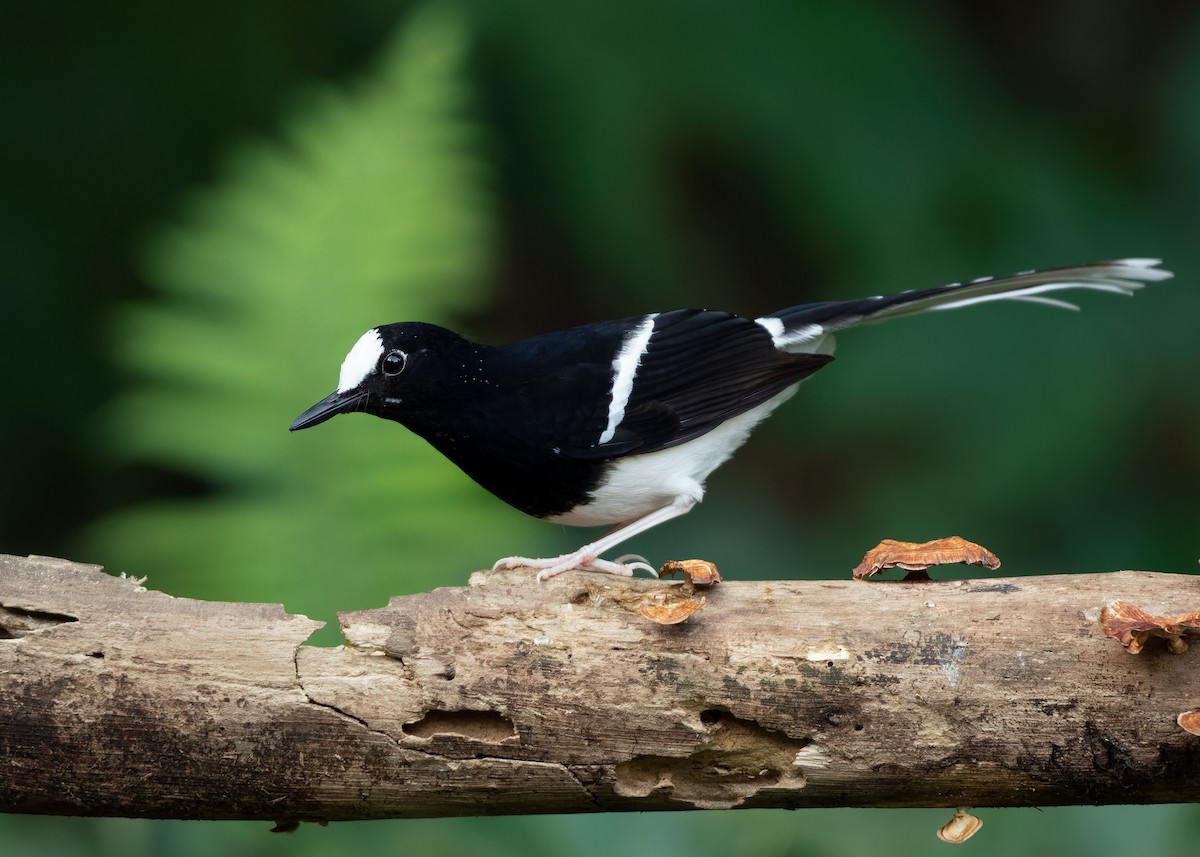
[806,327]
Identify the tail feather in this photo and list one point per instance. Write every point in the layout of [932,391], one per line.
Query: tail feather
[806,327]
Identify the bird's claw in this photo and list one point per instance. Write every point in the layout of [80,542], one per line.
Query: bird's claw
[634,562]
[623,566]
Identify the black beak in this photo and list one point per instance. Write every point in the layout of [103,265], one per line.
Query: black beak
[332,405]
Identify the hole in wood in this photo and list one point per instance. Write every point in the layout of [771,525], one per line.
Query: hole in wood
[725,767]
[15,622]
[489,726]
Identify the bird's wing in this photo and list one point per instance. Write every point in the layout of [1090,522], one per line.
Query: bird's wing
[698,369]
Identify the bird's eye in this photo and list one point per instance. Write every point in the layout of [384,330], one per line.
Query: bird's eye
[393,363]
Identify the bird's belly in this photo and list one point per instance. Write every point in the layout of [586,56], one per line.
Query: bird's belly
[638,484]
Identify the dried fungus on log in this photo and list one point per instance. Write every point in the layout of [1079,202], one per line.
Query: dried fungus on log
[918,556]
[1132,626]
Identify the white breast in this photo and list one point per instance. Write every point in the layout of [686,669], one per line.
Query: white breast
[639,484]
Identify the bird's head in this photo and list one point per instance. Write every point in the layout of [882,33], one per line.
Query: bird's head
[389,373]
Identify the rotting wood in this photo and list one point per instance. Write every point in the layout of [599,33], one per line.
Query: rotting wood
[509,697]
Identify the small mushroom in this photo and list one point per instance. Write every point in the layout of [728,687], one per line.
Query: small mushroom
[697,572]
[1190,721]
[961,827]
[1132,626]
[672,613]
[915,556]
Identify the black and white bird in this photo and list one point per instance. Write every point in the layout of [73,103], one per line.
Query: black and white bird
[620,422]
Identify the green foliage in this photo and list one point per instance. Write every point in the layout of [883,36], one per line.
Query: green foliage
[652,155]
[372,210]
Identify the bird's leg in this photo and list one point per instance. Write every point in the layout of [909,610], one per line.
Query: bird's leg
[587,558]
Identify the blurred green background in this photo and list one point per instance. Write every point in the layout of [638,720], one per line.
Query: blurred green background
[205,204]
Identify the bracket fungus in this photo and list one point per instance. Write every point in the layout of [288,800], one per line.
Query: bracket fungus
[1132,626]
[918,556]
[1189,721]
[677,603]
[960,828]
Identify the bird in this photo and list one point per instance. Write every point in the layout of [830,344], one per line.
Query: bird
[620,423]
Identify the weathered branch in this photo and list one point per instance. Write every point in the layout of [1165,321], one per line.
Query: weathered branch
[509,697]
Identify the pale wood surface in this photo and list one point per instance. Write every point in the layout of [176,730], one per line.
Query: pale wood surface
[509,697]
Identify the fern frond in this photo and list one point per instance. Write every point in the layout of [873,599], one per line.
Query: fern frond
[370,210]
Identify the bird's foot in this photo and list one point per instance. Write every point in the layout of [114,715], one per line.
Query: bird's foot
[581,560]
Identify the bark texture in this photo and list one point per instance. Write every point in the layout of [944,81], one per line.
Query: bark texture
[509,697]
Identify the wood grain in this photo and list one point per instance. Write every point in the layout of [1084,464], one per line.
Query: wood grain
[509,697]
